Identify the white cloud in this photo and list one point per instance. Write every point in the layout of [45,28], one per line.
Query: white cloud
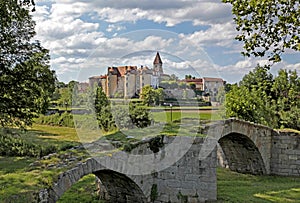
[162,12]
[114,28]
[217,35]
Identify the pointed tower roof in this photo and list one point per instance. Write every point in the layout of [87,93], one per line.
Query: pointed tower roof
[157,59]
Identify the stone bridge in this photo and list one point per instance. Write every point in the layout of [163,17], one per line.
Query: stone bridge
[183,169]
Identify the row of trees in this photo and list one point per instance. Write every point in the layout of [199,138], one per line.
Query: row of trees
[262,98]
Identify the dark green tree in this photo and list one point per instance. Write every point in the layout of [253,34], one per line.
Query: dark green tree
[103,111]
[26,81]
[267,27]
[151,96]
[262,98]
[139,115]
[286,99]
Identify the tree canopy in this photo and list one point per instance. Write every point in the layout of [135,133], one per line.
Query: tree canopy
[267,27]
[26,81]
[265,99]
[151,96]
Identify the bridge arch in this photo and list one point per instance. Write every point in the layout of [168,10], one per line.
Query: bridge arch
[117,187]
[241,154]
[247,146]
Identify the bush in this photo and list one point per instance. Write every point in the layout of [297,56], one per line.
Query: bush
[122,118]
[139,115]
[16,146]
[65,119]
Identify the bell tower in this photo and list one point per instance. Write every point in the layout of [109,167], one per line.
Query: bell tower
[157,64]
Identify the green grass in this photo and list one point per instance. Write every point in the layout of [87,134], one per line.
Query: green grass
[49,135]
[236,187]
[18,180]
[82,191]
[165,116]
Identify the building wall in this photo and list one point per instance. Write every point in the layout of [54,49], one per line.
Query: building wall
[145,79]
[112,85]
[103,83]
[130,85]
[212,87]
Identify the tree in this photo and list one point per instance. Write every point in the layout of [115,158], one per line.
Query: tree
[286,99]
[267,27]
[151,96]
[139,115]
[26,81]
[262,98]
[103,111]
[148,95]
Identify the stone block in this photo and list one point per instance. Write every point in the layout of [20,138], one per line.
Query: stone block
[173,183]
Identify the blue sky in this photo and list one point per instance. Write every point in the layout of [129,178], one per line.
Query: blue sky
[85,37]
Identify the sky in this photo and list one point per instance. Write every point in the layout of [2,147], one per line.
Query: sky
[193,37]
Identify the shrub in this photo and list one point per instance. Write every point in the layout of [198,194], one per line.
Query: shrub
[122,118]
[16,146]
[139,115]
[65,119]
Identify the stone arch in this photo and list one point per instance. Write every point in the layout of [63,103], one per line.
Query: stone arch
[242,154]
[117,187]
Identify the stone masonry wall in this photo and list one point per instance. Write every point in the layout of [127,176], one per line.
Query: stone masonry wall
[285,158]
[187,180]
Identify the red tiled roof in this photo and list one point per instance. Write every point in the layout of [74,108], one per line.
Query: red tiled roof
[213,79]
[193,80]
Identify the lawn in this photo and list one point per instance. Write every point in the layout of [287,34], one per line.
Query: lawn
[237,187]
[19,179]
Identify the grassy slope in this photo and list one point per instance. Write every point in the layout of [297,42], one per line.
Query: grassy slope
[18,180]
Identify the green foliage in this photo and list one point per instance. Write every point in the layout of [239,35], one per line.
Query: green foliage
[263,99]
[122,117]
[151,96]
[103,111]
[140,116]
[22,98]
[65,119]
[13,145]
[154,193]
[82,191]
[267,27]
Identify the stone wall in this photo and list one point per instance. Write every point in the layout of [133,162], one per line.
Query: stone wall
[285,159]
[188,180]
